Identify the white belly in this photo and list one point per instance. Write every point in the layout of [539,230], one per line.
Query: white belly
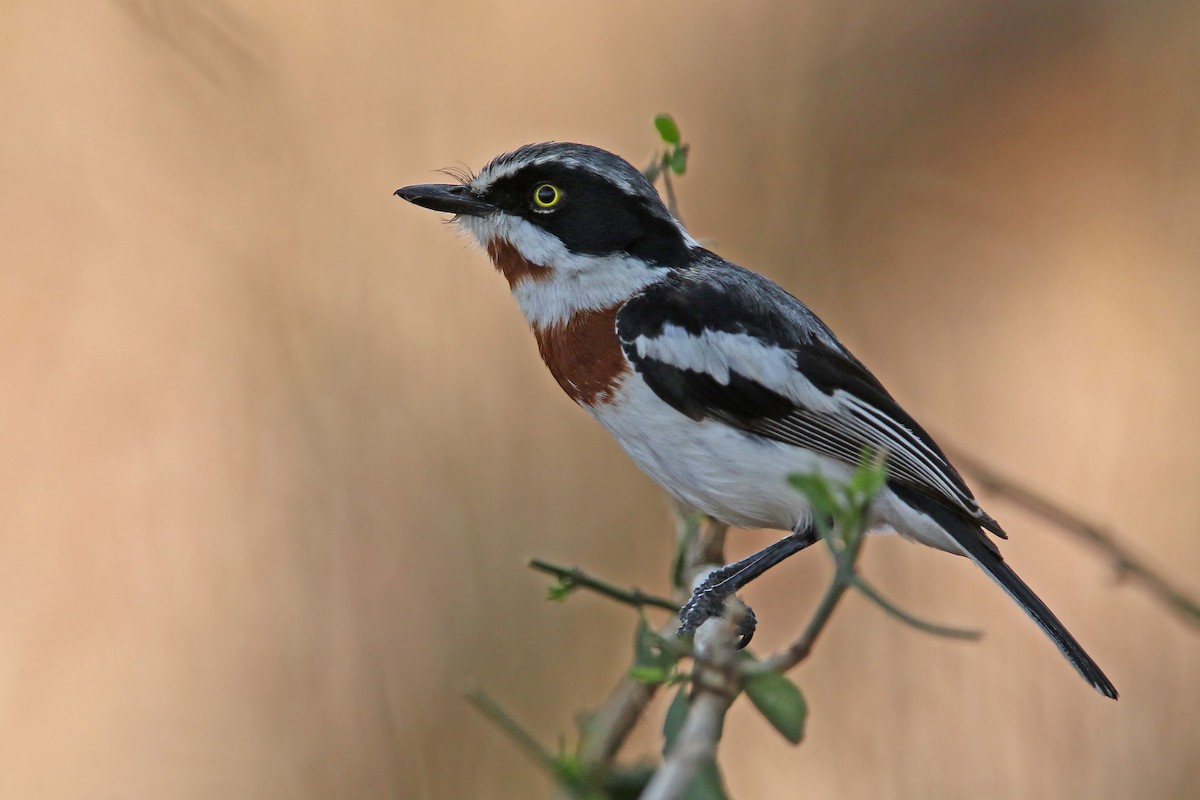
[736,477]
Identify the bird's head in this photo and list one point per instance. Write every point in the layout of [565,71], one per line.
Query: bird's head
[572,227]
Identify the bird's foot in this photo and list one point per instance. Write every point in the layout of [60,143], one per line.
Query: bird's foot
[709,601]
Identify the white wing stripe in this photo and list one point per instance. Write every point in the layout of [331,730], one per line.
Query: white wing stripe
[718,353]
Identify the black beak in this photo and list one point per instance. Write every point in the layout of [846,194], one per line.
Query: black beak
[451,198]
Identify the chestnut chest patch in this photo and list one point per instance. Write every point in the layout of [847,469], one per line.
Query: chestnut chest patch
[584,356]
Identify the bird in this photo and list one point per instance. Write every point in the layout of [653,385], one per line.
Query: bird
[716,381]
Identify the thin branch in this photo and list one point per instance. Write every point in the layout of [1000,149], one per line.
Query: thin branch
[672,203]
[656,166]
[490,709]
[800,649]
[1125,562]
[858,582]
[699,545]
[661,168]
[572,577]
[845,556]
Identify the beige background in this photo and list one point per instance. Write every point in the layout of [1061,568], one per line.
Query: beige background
[276,446]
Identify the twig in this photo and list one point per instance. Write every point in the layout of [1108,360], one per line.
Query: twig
[572,577]
[858,582]
[699,545]
[672,203]
[800,649]
[651,171]
[1124,561]
[660,167]
[490,709]
[845,549]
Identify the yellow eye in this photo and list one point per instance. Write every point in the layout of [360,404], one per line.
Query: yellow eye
[546,195]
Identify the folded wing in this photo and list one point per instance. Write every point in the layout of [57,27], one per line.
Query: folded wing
[730,345]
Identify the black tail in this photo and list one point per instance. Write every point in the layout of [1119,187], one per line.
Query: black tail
[984,553]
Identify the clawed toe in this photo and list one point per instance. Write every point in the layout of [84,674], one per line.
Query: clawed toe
[746,627]
[708,601]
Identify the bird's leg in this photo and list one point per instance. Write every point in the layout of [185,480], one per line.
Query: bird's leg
[708,600]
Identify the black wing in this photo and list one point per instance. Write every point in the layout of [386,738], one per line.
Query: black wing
[721,342]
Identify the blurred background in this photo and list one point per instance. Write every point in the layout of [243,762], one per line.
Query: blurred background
[277,446]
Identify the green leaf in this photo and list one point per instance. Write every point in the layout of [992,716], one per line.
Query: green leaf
[667,128]
[560,591]
[673,722]
[679,160]
[707,785]
[570,771]
[653,661]
[655,675]
[627,783]
[780,701]
[869,477]
[691,529]
[818,492]
[643,644]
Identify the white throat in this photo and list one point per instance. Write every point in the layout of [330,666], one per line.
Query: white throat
[572,282]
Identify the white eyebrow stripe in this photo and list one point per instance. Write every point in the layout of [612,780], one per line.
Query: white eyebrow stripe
[500,169]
